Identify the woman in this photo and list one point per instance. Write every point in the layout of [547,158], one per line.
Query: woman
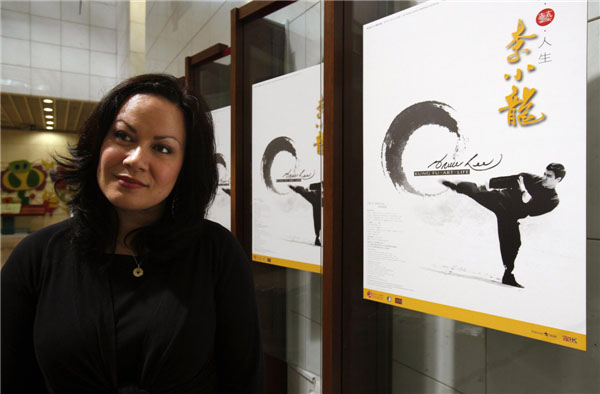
[137,292]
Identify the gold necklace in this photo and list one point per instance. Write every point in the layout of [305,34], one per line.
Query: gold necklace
[138,271]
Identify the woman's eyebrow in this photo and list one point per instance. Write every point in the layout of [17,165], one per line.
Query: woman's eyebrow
[162,137]
[127,124]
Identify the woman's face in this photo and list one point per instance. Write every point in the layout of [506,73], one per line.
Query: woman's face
[142,154]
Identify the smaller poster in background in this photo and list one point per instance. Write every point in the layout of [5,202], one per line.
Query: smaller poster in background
[220,210]
[286,170]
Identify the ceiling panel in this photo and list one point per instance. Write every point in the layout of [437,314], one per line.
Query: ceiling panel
[27,112]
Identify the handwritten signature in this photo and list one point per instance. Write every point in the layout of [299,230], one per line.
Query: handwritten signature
[474,163]
[304,175]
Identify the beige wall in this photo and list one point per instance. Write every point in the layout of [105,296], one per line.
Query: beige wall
[136,42]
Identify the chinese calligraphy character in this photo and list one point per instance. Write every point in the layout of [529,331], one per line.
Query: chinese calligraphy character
[545,42]
[524,118]
[519,74]
[544,58]
[517,42]
[319,143]
[518,108]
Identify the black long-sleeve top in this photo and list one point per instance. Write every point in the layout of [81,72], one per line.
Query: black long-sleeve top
[543,199]
[76,326]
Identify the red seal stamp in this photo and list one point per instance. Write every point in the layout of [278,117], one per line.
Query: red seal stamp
[545,16]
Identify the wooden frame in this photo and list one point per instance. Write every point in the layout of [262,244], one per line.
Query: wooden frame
[268,278]
[237,140]
[208,55]
[332,197]
[356,332]
[259,9]
[241,185]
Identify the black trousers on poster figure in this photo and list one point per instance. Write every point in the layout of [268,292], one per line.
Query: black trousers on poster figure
[313,196]
[499,202]
[514,197]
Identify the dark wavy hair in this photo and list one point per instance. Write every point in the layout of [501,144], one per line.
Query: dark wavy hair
[558,170]
[95,224]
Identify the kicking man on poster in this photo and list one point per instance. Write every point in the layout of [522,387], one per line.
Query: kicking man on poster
[313,196]
[516,197]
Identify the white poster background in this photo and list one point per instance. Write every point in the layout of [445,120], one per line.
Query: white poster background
[220,211]
[282,224]
[443,248]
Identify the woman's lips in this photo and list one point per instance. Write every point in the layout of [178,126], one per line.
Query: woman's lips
[129,182]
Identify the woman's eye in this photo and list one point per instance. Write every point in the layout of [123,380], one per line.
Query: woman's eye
[123,136]
[162,149]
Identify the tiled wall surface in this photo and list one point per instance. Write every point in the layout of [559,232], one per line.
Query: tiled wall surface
[54,48]
[176,29]
[437,355]
[122,31]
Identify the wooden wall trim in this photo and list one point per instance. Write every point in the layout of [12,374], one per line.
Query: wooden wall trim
[259,9]
[332,198]
[210,54]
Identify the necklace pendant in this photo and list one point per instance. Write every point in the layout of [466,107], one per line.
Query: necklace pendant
[137,272]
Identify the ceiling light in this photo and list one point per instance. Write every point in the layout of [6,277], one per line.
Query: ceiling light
[47,109]
[49,116]
[48,101]
[49,122]
[49,128]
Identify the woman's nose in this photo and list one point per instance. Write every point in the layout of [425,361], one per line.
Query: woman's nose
[136,158]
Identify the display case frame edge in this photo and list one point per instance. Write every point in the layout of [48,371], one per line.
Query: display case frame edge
[208,55]
[332,197]
[237,137]
[241,182]
[258,9]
